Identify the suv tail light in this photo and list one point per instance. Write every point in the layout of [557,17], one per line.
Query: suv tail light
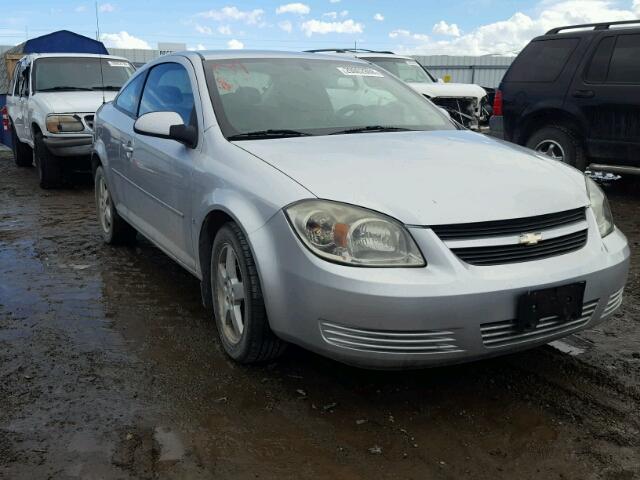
[497,103]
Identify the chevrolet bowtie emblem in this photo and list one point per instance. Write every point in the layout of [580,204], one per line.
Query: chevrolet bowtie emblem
[530,238]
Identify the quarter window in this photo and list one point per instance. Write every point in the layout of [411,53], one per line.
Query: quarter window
[129,97]
[625,64]
[542,60]
[168,89]
[597,71]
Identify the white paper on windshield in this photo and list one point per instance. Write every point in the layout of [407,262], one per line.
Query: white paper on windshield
[413,63]
[353,71]
[117,64]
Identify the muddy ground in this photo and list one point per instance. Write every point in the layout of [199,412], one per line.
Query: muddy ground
[110,368]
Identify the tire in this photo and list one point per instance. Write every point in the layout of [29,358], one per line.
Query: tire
[559,138]
[22,154]
[237,290]
[49,167]
[114,229]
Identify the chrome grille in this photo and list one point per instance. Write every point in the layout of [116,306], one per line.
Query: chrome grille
[509,227]
[429,342]
[614,302]
[505,333]
[502,254]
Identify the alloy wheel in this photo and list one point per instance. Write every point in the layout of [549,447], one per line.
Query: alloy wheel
[551,149]
[104,206]
[230,294]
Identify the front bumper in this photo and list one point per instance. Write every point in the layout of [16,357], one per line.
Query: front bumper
[416,317]
[67,146]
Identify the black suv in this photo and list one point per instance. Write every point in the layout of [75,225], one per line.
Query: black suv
[574,94]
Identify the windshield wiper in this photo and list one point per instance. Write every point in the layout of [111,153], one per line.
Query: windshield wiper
[62,89]
[372,128]
[106,87]
[268,134]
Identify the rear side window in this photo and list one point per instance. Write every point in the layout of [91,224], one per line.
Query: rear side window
[129,97]
[625,61]
[599,66]
[542,60]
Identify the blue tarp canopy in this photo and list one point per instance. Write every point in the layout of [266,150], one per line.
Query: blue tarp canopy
[64,41]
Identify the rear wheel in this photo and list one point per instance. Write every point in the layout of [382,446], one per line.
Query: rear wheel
[115,230]
[49,167]
[239,307]
[22,154]
[559,143]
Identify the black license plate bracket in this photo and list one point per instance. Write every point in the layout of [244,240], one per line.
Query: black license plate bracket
[564,301]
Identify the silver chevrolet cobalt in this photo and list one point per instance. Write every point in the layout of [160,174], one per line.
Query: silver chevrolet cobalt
[322,202]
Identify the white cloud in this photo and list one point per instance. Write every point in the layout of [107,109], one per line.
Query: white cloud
[378,17]
[286,26]
[444,28]
[344,13]
[224,30]
[234,44]
[197,47]
[407,34]
[123,40]
[81,8]
[250,17]
[316,26]
[297,8]
[106,8]
[334,1]
[511,35]
[332,15]
[203,29]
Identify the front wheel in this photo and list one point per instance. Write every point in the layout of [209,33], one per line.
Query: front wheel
[49,167]
[239,307]
[114,229]
[559,143]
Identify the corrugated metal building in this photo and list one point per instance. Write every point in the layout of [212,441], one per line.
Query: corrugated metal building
[486,71]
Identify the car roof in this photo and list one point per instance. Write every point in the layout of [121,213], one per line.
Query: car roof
[74,55]
[229,54]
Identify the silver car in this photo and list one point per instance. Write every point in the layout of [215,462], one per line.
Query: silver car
[322,202]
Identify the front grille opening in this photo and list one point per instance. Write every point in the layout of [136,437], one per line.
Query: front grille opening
[502,254]
[509,227]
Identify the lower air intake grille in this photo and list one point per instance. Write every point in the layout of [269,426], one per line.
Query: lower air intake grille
[383,341]
[504,334]
[613,303]
[501,254]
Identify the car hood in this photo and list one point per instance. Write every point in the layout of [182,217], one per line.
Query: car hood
[73,102]
[427,178]
[449,90]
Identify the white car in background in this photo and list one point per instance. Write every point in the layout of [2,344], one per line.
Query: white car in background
[463,101]
[52,103]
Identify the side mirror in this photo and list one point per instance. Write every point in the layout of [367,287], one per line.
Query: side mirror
[168,125]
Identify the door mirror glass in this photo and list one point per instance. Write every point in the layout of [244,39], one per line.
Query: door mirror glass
[168,125]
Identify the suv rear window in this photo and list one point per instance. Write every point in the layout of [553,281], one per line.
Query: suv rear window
[542,60]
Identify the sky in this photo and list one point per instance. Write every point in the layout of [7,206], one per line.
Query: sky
[462,27]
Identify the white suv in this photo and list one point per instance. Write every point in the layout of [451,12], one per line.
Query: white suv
[464,102]
[51,105]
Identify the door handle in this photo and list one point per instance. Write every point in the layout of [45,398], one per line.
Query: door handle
[127,147]
[584,94]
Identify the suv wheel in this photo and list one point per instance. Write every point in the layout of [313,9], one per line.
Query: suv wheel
[114,229]
[22,154]
[238,304]
[49,168]
[559,143]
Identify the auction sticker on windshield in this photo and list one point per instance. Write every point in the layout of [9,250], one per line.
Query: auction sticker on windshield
[360,71]
[118,64]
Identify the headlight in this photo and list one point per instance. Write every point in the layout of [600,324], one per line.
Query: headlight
[353,236]
[64,124]
[600,207]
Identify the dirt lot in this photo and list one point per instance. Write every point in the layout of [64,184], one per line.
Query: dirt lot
[110,368]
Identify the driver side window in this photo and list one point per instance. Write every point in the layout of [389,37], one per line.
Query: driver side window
[168,89]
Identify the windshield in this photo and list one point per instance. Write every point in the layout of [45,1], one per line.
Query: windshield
[296,96]
[80,73]
[406,70]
